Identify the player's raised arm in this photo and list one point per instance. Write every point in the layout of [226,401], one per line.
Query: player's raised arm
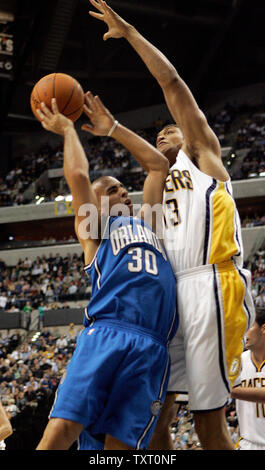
[200,140]
[148,157]
[76,172]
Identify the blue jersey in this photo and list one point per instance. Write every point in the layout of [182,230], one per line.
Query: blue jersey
[132,279]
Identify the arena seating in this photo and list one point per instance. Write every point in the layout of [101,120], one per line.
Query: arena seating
[241,129]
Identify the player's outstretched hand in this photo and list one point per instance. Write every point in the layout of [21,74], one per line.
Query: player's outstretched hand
[52,120]
[118,27]
[100,117]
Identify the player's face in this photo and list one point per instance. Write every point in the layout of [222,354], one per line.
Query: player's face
[117,194]
[169,140]
[255,336]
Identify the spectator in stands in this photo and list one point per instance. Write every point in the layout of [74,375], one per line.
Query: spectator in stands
[61,344]
[260,299]
[3,301]
[40,316]
[13,309]
[27,312]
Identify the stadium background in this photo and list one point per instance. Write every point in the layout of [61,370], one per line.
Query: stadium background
[218,48]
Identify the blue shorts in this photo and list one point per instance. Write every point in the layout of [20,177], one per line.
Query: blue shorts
[115,384]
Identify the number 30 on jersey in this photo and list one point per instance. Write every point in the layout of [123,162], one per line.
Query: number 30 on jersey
[142,258]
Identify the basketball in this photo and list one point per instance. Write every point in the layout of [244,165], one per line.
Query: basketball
[67,91]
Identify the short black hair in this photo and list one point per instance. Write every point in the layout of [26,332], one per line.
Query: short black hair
[260,316]
[168,126]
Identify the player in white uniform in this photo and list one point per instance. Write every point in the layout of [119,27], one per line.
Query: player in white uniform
[250,394]
[203,241]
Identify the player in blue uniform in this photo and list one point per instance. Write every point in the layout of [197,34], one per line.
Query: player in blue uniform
[117,378]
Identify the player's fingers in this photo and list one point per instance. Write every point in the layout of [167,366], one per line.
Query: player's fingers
[87,110]
[97,5]
[88,128]
[103,4]
[90,101]
[40,114]
[46,111]
[106,36]
[54,106]
[99,16]
[43,123]
[46,121]
[99,103]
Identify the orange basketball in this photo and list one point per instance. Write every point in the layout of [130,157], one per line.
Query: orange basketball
[67,91]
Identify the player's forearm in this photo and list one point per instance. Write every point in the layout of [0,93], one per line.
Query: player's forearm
[74,156]
[76,171]
[159,66]
[146,155]
[253,394]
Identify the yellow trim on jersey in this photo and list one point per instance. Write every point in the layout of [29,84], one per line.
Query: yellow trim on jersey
[223,245]
[235,318]
[256,365]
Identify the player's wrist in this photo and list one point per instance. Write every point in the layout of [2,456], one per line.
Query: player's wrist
[113,128]
[69,128]
[128,31]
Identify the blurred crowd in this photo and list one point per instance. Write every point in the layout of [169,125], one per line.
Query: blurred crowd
[251,136]
[47,281]
[27,169]
[257,266]
[253,221]
[108,157]
[183,430]
[30,371]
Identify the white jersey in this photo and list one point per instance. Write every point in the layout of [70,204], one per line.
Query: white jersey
[202,225]
[251,416]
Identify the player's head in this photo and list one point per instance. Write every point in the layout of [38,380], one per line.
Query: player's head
[114,190]
[169,141]
[255,338]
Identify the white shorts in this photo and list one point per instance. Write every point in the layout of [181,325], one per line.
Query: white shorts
[244,444]
[215,310]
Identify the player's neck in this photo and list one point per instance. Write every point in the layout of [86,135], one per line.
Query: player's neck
[258,355]
[172,156]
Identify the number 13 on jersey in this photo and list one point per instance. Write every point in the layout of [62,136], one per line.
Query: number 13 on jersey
[142,258]
[174,217]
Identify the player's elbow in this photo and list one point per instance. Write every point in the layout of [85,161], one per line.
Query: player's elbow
[78,176]
[161,165]
[169,78]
